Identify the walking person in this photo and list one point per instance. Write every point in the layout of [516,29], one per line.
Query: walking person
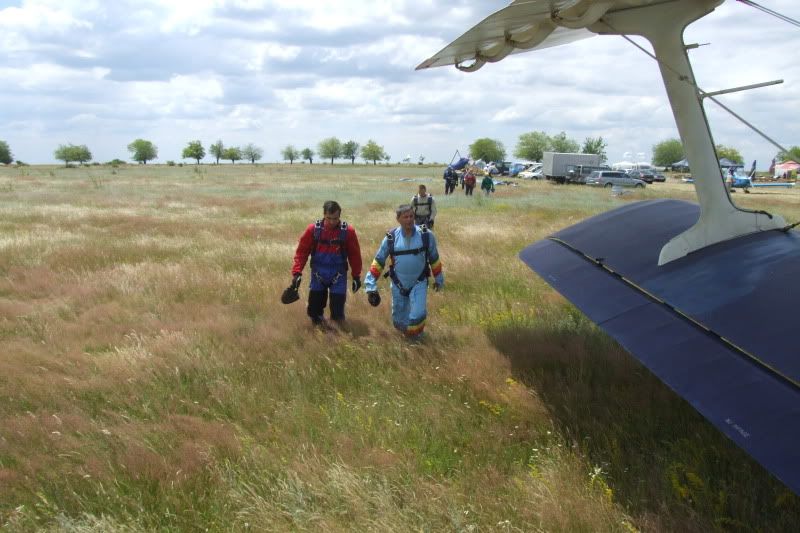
[469,182]
[450,180]
[424,208]
[331,244]
[412,256]
[487,185]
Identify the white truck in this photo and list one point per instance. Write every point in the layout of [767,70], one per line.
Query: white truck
[555,165]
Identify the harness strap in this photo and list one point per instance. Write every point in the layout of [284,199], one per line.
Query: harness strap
[426,271]
[341,242]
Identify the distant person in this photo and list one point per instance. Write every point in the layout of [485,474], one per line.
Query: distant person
[450,180]
[487,185]
[332,244]
[424,208]
[413,257]
[469,182]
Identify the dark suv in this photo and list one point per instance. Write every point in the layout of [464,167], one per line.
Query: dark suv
[648,176]
[579,173]
[503,167]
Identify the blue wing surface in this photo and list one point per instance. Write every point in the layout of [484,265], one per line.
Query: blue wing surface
[717,326]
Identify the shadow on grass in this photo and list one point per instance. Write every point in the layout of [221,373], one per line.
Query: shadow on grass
[356,328]
[665,463]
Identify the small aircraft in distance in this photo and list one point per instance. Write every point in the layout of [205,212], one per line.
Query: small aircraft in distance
[665,265]
[740,180]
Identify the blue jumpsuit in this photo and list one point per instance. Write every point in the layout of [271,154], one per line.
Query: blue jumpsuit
[410,297]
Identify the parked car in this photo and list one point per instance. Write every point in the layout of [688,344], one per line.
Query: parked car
[610,178]
[516,168]
[532,172]
[643,174]
[578,173]
[503,167]
[658,176]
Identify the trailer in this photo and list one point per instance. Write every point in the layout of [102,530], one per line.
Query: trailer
[555,165]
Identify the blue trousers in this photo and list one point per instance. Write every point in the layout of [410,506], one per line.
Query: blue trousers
[409,312]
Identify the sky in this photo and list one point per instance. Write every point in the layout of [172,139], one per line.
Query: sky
[281,72]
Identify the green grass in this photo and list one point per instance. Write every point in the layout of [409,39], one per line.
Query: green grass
[151,380]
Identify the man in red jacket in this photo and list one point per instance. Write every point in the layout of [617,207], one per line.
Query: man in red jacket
[332,244]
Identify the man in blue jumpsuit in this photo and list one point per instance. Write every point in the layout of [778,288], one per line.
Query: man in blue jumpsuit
[413,256]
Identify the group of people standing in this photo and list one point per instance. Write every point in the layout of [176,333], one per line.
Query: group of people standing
[468,181]
[408,256]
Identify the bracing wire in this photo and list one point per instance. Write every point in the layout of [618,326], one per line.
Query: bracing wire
[704,93]
[771,12]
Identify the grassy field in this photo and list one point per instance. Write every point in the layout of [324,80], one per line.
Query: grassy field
[151,380]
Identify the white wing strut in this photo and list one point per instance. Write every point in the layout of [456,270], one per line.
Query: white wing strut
[661,22]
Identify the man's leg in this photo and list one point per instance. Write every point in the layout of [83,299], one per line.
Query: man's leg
[401,306]
[418,309]
[338,298]
[317,299]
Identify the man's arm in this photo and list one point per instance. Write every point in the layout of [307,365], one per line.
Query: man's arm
[435,262]
[376,268]
[353,252]
[303,250]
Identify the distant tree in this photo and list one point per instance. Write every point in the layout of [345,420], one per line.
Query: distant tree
[595,146]
[82,153]
[350,151]
[194,150]
[71,152]
[487,149]
[6,157]
[561,143]
[309,154]
[793,154]
[216,150]
[234,153]
[372,151]
[291,153]
[252,153]
[65,153]
[387,158]
[667,152]
[729,153]
[532,145]
[330,148]
[143,151]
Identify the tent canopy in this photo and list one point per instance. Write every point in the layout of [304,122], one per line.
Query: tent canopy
[727,163]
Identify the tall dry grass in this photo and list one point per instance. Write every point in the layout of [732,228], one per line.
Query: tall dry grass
[151,380]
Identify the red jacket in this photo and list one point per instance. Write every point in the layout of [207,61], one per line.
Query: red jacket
[307,242]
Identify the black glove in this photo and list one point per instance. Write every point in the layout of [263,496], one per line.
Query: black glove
[374,298]
[356,284]
[296,281]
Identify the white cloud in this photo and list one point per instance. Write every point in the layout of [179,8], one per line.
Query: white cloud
[298,71]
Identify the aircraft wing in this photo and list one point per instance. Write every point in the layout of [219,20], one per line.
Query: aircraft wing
[526,25]
[717,326]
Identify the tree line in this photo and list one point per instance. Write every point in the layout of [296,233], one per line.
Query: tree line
[530,146]
[670,151]
[143,151]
